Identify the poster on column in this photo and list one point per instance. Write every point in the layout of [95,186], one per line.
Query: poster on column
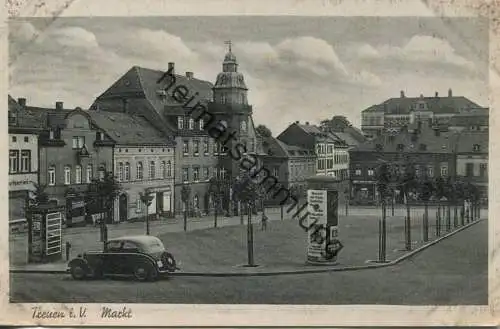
[317,220]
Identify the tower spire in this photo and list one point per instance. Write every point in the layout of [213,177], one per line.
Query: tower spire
[229,43]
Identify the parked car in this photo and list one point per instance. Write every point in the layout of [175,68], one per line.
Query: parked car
[144,257]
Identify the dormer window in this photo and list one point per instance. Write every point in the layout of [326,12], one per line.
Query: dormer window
[180,122]
[191,124]
[476,147]
[202,124]
[161,93]
[12,118]
[243,126]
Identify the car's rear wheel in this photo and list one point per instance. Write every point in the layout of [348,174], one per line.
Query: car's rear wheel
[78,272]
[142,272]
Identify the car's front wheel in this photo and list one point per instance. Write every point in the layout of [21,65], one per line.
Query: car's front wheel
[78,272]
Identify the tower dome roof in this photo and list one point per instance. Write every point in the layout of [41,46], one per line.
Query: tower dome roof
[230,57]
[230,80]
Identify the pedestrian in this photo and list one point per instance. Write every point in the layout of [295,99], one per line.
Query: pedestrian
[264,222]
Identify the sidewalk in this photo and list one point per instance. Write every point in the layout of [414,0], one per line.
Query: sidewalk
[279,250]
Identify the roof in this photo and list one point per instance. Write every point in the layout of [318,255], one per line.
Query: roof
[320,135]
[347,138]
[149,84]
[273,147]
[467,139]
[136,238]
[465,119]
[296,151]
[404,105]
[26,118]
[129,129]
[444,143]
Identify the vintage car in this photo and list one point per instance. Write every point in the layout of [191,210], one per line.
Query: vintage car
[144,257]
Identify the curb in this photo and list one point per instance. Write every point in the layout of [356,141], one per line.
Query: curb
[290,272]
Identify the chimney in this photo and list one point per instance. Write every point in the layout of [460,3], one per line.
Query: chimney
[296,122]
[437,94]
[171,67]
[421,95]
[59,105]
[402,94]
[189,75]
[307,123]
[450,93]
[101,135]
[22,102]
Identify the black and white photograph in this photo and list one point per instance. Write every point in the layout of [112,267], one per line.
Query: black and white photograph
[246,160]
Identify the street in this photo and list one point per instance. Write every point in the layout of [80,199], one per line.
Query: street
[449,273]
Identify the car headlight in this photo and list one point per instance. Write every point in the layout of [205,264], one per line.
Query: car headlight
[160,263]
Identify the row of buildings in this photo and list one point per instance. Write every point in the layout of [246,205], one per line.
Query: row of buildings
[141,131]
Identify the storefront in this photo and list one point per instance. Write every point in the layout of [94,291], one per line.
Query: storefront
[162,200]
[20,188]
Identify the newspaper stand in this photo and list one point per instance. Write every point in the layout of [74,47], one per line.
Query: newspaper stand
[44,233]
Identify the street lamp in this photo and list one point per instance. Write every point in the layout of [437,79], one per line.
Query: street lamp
[185,192]
[146,199]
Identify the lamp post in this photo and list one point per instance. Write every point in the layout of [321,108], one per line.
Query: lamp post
[146,199]
[185,192]
[215,190]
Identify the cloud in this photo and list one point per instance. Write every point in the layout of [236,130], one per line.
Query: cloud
[70,37]
[419,49]
[21,31]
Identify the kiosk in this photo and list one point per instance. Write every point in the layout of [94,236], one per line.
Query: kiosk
[44,233]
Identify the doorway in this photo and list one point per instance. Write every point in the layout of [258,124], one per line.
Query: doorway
[123,207]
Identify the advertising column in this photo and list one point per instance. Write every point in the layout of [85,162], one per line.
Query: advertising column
[323,244]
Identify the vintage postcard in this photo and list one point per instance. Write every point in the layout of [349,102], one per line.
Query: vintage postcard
[235,163]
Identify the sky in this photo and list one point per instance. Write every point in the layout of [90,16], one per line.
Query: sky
[296,68]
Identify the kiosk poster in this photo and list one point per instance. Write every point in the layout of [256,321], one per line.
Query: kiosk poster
[36,235]
[317,220]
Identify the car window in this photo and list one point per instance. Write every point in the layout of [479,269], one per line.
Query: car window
[129,246]
[113,245]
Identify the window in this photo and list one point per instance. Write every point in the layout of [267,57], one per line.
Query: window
[202,124]
[13,161]
[102,173]
[371,172]
[152,170]
[206,173]
[191,123]
[196,202]
[52,175]
[180,122]
[275,172]
[127,172]
[401,147]
[223,98]
[357,172]
[483,169]
[26,139]
[422,147]
[120,171]
[205,146]
[78,174]
[89,173]
[196,174]
[139,173]
[243,126]
[78,142]
[169,169]
[139,205]
[67,175]
[14,139]
[185,175]
[379,147]
[185,147]
[163,169]
[469,169]
[25,161]
[196,147]
[430,171]
[444,170]
[476,147]
[223,172]
[215,146]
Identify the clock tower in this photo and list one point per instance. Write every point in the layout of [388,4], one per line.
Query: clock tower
[231,108]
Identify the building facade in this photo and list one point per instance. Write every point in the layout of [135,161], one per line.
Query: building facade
[395,113]
[332,158]
[72,152]
[432,153]
[472,159]
[23,160]
[144,163]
